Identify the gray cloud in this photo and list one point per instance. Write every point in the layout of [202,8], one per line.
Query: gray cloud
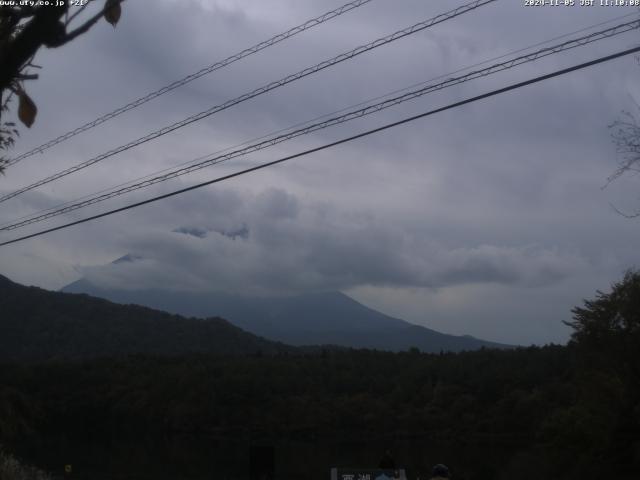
[315,247]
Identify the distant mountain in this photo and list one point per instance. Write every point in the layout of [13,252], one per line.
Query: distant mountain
[37,324]
[310,319]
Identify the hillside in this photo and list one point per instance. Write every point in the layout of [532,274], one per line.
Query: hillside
[308,319]
[37,324]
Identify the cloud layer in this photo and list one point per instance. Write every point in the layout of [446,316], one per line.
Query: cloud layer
[273,244]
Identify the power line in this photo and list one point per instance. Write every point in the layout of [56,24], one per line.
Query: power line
[623,28]
[411,95]
[189,78]
[259,91]
[492,93]
[326,115]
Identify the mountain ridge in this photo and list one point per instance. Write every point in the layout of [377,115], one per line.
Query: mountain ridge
[38,324]
[309,319]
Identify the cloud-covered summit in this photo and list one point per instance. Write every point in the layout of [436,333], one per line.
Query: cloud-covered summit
[299,246]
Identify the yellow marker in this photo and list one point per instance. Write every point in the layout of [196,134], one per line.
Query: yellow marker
[68,469]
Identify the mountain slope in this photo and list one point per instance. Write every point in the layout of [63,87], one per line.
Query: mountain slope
[319,318]
[37,324]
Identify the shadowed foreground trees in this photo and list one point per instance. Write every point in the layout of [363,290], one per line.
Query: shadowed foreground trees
[558,411]
[611,320]
[604,424]
[12,469]
[532,407]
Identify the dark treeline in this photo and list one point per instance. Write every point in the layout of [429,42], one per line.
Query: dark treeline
[451,396]
[542,405]
[571,411]
[39,325]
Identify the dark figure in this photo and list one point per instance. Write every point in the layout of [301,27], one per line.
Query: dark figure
[387,462]
[440,472]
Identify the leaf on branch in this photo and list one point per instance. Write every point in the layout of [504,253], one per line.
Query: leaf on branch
[112,12]
[27,110]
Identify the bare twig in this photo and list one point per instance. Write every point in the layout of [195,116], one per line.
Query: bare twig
[626,137]
[625,215]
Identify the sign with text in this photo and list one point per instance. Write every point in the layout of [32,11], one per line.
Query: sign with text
[367,474]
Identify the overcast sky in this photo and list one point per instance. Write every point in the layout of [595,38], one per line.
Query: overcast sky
[488,220]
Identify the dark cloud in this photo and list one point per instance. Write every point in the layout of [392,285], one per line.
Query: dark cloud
[241,232]
[194,231]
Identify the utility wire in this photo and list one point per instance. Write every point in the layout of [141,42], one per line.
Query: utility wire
[216,159]
[189,78]
[320,117]
[492,93]
[259,91]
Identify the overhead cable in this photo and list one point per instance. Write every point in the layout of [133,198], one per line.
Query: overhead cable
[259,91]
[325,115]
[189,78]
[411,95]
[333,144]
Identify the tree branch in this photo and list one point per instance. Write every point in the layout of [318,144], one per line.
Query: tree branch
[41,29]
[89,23]
[78,12]
[27,76]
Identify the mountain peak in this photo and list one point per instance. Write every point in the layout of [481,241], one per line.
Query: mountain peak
[328,317]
